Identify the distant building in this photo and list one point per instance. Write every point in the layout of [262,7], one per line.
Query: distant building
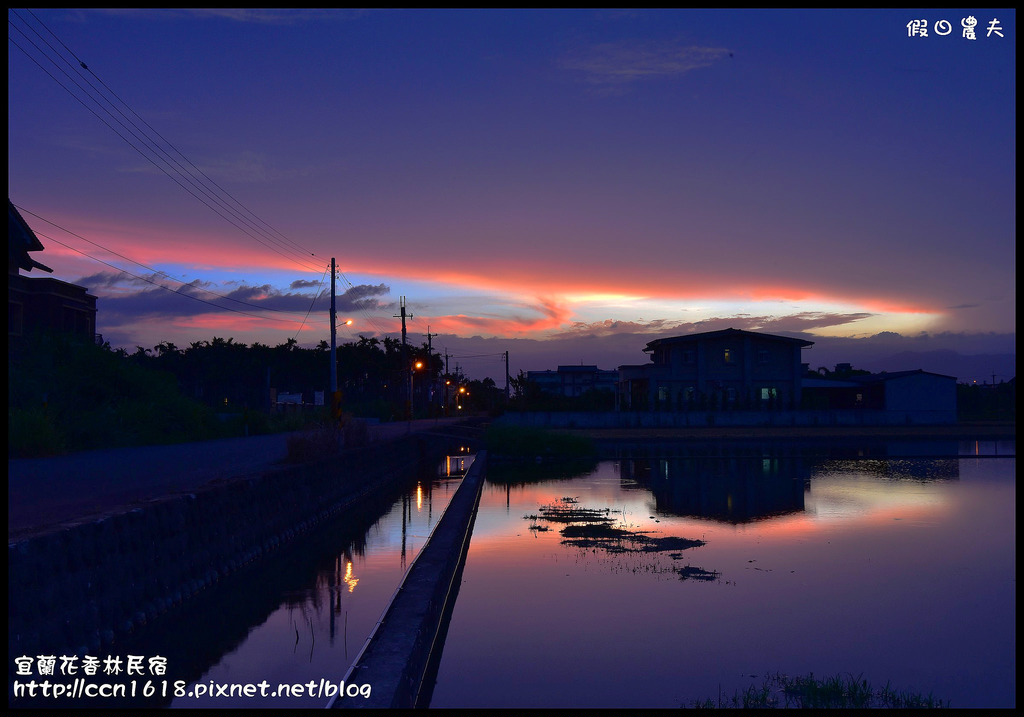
[41,304]
[917,391]
[724,369]
[573,381]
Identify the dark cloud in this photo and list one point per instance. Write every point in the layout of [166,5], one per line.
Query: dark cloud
[362,298]
[797,323]
[129,298]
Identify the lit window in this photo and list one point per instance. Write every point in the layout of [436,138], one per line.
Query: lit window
[727,355]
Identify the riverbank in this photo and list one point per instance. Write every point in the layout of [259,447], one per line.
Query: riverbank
[962,431]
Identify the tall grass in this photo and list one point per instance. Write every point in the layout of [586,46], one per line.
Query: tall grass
[68,395]
[837,692]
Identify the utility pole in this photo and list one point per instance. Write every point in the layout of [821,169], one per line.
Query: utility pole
[405,354]
[335,397]
[430,373]
[447,378]
[506,377]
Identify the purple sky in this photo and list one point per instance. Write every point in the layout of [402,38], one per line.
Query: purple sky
[564,185]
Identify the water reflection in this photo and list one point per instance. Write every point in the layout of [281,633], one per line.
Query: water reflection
[732,490]
[873,560]
[301,615]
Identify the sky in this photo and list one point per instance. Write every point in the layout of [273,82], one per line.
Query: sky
[561,185]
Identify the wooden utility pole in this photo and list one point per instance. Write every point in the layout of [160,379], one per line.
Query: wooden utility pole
[335,396]
[405,355]
[431,386]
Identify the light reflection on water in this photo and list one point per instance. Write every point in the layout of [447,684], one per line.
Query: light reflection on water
[895,568]
[316,626]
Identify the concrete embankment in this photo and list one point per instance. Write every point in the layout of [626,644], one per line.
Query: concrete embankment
[746,424]
[803,419]
[82,588]
[399,659]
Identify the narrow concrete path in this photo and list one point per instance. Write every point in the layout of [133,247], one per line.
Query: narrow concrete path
[399,659]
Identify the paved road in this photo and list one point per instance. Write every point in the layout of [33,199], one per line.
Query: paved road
[45,492]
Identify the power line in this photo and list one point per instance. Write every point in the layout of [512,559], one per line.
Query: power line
[155,271]
[366,315]
[153,146]
[326,269]
[190,177]
[165,288]
[168,142]
[154,153]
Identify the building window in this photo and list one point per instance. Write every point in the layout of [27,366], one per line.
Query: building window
[762,356]
[728,356]
[687,356]
[767,394]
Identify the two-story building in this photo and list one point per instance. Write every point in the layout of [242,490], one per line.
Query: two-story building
[731,368]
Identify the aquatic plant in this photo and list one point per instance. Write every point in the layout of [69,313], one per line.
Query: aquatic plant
[596,528]
[525,442]
[693,573]
[808,692]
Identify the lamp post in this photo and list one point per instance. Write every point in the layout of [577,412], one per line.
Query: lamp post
[412,392]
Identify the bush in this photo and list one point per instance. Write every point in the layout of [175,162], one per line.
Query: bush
[32,433]
[69,395]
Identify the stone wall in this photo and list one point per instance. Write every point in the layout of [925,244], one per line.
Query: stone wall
[77,590]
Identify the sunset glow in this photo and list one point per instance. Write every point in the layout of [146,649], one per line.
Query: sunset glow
[552,189]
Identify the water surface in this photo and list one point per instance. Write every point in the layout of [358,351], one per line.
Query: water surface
[898,566]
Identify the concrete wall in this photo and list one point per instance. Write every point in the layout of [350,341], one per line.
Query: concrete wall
[685,419]
[401,656]
[77,590]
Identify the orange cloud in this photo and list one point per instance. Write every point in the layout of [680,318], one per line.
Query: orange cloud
[550,314]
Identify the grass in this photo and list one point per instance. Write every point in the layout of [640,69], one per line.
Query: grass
[837,692]
[326,439]
[524,442]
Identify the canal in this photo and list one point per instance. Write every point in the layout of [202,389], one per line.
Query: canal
[658,576]
[303,615]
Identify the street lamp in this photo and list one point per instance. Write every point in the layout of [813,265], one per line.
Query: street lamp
[416,366]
